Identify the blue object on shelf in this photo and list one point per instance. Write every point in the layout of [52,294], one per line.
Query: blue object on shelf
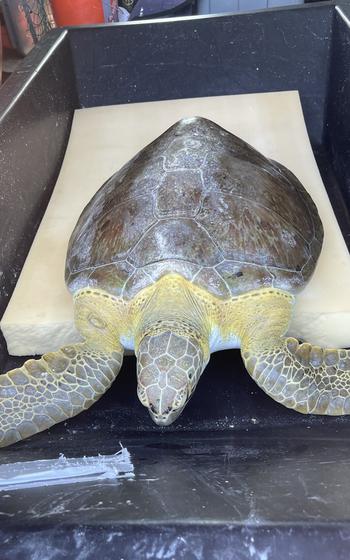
[155,8]
[107,9]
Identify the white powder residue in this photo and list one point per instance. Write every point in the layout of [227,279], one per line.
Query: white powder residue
[30,474]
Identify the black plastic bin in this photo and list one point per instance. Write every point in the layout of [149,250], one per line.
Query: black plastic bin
[238,476]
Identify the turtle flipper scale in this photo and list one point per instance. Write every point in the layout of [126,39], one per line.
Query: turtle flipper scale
[305,377]
[58,386]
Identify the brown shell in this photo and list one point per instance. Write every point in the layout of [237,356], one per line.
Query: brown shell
[200,202]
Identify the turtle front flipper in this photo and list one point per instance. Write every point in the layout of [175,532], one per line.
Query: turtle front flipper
[58,386]
[307,378]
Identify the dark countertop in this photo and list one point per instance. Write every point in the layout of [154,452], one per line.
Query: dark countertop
[248,471]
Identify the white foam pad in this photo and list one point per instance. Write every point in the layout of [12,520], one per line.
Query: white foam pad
[39,317]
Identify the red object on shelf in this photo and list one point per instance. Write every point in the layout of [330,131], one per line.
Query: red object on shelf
[6,43]
[77,12]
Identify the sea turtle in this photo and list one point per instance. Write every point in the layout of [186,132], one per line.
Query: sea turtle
[196,245]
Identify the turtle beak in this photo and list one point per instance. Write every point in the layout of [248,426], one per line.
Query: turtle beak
[165,418]
[162,406]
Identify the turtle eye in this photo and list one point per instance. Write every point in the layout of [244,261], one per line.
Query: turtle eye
[96,322]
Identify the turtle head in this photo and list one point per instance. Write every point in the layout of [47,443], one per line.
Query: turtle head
[172,348]
[168,368]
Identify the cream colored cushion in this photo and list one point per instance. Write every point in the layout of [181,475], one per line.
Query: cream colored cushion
[39,316]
